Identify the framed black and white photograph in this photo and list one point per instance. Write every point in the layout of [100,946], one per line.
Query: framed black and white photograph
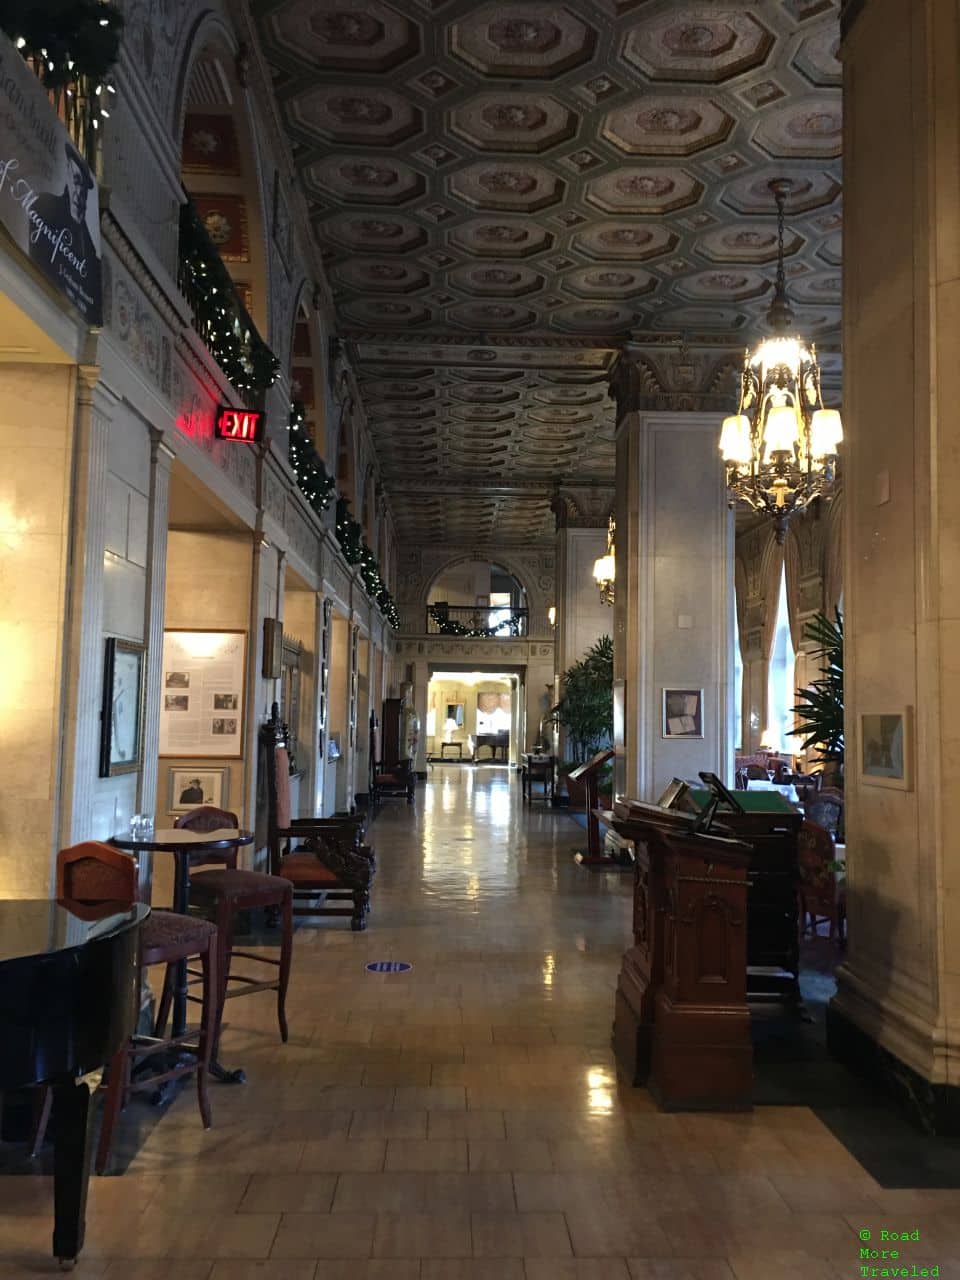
[886,749]
[192,787]
[121,715]
[682,713]
[201,706]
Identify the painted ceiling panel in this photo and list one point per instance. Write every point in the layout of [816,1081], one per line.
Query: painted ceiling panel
[505,193]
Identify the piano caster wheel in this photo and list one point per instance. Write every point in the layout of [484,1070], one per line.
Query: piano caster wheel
[66,1264]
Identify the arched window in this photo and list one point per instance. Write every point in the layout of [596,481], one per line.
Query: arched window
[479,597]
[780,687]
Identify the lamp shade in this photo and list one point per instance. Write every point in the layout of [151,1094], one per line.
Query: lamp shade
[552,615]
[735,445]
[826,432]
[604,569]
[780,430]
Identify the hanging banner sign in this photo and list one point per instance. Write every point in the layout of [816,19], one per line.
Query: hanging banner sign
[245,425]
[48,197]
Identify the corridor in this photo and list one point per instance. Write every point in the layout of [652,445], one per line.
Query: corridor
[462,1121]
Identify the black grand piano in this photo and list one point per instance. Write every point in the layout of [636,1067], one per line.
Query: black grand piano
[496,742]
[68,1000]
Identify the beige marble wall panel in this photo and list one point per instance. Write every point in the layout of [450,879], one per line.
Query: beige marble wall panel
[36,417]
[901,532]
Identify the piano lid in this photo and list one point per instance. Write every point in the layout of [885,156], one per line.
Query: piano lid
[42,926]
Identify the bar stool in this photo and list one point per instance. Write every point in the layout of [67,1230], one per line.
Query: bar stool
[95,872]
[226,891]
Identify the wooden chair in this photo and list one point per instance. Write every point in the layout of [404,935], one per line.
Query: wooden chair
[318,857]
[92,872]
[819,900]
[393,780]
[825,808]
[353,828]
[225,892]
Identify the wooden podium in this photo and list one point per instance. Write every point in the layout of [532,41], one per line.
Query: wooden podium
[589,775]
[770,825]
[681,1024]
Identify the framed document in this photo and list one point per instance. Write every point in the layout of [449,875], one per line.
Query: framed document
[682,713]
[886,749]
[201,694]
[121,714]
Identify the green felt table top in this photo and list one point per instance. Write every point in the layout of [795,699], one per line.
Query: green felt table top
[751,801]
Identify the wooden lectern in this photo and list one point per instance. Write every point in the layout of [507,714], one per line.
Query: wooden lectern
[770,825]
[681,1024]
[589,775]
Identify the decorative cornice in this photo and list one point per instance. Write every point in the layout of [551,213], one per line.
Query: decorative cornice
[685,379]
[172,309]
[583,506]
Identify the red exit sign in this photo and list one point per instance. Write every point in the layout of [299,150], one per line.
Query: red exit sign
[238,424]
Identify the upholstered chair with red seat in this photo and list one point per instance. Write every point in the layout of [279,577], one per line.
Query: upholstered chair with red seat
[330,878]
[93,872]
[226,891]
[819,898]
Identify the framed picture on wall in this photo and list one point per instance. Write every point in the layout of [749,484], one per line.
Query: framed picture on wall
[202,693]
[121,713]
[682,713]
[192,787]
[886,749]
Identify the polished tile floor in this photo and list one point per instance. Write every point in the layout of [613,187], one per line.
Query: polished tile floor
[463,1121]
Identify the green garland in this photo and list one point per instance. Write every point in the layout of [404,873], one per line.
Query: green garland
[356,552]
[313,479]
[219,316]
[447,626]
[72,46]
[349,533]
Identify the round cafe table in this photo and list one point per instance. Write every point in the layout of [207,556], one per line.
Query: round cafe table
[184,845]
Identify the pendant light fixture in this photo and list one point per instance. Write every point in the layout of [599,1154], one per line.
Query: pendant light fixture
[780,448]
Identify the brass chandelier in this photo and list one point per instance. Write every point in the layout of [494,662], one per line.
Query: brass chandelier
[780,448]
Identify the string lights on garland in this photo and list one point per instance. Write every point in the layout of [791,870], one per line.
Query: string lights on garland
[219,316]
[356,552]
[447,626]
[349,533]
[72,48]
[313,479]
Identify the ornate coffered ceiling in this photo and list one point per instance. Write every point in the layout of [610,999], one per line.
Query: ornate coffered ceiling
[505,193]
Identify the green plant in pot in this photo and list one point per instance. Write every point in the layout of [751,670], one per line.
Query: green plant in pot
[585,708]
[819,711]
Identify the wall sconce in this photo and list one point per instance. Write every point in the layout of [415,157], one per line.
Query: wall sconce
[605,566]
[552,615]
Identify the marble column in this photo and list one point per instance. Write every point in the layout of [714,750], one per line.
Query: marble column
[582,514]
[84,682]
[673,615]
[161,461]
[897,1008]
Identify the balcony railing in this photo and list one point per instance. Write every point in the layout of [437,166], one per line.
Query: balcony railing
[476,621]
[219,316]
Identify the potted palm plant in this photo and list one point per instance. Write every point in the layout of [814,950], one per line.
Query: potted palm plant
[819,711]
[585,710]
